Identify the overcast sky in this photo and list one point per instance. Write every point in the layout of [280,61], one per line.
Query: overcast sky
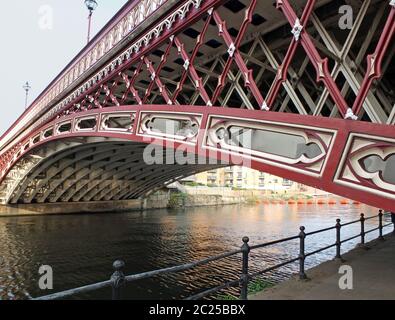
[34,51]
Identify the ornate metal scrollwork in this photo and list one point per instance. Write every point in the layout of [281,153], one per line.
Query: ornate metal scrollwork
[300,148]
[369,164]
[171,126]
[118,122]
[64,127]
[86,123]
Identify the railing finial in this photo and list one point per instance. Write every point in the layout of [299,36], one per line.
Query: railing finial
[117,279]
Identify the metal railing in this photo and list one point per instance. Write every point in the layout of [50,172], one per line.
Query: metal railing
[118,280]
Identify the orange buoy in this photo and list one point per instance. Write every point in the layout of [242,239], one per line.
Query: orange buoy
[266,202]
[310,202]
[291,201]
[282,202]
[274,202]
[344,201]
[321,201]
[356,202]
[332,201]
[301,202]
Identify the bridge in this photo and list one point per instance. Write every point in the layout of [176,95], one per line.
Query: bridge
[279,87]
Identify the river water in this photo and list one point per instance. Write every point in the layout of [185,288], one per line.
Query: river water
[81,248]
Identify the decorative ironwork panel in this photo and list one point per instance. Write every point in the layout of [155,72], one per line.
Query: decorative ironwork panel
[298,148]
[369,164]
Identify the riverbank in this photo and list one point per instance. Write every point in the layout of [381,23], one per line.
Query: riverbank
[285,197]
[159,200]
[372,277]
[191,198]
[186,198]
[69,208]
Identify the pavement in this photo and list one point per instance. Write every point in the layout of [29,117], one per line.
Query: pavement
[373,277]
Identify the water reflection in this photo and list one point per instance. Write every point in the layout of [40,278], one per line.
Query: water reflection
[81,248]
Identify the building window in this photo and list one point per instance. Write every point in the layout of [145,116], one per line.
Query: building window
[287,182]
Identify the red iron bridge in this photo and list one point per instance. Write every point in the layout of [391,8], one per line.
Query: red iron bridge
[280,86]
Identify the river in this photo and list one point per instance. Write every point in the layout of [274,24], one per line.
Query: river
[81,248]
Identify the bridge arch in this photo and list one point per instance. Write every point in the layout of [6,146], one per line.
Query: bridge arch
[95,170]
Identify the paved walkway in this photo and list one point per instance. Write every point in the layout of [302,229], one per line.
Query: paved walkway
[373,277]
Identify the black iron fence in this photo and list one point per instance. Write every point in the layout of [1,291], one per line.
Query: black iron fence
[118,280]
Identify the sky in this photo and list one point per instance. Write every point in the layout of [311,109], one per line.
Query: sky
[38,39]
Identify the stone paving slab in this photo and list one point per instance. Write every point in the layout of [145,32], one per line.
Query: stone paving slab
[373,277]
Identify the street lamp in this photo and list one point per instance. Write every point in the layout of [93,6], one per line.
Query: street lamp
[92,6]
[27,88]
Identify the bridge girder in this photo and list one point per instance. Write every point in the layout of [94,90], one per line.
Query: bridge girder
[354,159]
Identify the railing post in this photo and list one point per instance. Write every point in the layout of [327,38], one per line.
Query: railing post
[338,239]
[381,225]
[362,219]
[245,248]
[302,256]
[117,279]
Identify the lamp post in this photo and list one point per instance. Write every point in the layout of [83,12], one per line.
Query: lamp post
[27,88]
[92,6]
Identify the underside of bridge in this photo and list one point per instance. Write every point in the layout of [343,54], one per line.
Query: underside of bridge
[95,169]
[228,58]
